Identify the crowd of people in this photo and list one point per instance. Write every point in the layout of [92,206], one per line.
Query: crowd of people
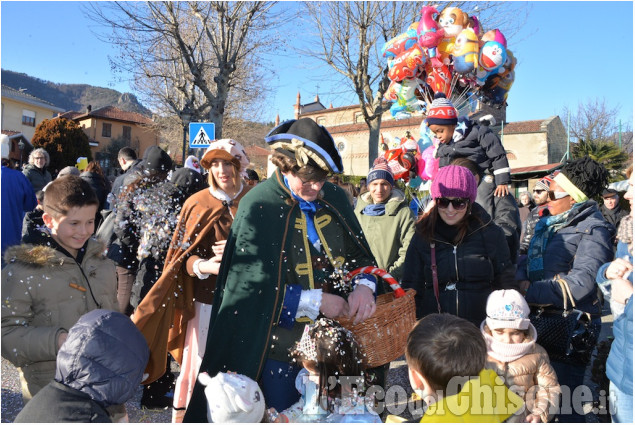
[241,282]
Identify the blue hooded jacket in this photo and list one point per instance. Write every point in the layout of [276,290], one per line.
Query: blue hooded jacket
[575,253]
[101,364]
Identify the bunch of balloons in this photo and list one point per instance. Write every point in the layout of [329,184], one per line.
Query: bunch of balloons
[447,52]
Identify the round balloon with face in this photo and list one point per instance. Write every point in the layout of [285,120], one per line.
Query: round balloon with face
[490,60]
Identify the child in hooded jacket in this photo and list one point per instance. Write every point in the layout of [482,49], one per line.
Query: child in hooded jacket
[513,353]
[50,282]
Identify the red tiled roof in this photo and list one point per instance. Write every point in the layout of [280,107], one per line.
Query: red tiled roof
[110,113]
[114,113]
[10,132]
[70,115]
[545,167]
[257,151]
[520,127]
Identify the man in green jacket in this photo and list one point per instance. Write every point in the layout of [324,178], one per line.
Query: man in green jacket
[386,219]
[291,240]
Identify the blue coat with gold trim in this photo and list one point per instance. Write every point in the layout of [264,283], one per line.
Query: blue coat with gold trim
[267,253]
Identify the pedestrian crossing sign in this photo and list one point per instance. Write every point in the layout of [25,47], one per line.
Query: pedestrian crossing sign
[201,134]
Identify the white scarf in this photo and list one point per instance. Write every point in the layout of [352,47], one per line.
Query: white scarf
[225,198]
[508,352]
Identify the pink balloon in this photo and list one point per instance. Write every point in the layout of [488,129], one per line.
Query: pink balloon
[428,165]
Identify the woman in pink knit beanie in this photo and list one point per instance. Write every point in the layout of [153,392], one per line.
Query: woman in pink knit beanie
[457,256]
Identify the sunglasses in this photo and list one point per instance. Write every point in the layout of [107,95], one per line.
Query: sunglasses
[458,203]
[538,190]
[554,196]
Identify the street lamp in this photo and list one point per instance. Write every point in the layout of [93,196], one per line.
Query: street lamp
[185,118]
[21,147]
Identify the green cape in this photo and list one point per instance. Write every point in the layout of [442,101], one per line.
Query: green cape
[251,282]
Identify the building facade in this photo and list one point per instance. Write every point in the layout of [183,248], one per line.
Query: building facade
[21,112]
[534,148]
[109,123]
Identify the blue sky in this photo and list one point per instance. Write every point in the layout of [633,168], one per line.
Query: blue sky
[568,53]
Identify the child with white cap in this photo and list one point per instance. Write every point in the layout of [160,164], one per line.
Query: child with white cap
[513,353]
[233,398]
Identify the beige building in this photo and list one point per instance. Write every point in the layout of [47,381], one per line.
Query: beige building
[350,132]
[534,148]
[536,142]
[108,123]
[21,112]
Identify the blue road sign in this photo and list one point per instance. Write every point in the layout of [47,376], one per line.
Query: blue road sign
[201,134]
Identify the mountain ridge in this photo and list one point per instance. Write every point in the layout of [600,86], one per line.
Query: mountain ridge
[73,97]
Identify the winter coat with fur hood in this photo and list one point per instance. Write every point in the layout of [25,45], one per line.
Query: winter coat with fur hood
[44,292]
[389,234]
[531,376]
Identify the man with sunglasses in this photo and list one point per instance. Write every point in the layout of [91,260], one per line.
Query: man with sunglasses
[541,197]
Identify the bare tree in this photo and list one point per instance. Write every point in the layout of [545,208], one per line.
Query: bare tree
[350,36]
[191,58]
[594,120]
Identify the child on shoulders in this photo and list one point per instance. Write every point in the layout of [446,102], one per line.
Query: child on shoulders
[464,138]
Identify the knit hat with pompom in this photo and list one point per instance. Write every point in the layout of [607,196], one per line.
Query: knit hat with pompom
[441,111]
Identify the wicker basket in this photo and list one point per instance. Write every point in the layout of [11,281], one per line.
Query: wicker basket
[383,336]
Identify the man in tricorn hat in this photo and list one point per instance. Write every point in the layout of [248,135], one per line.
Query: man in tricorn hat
[292,238]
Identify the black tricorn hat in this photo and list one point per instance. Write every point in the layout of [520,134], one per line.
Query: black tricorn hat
[307,142]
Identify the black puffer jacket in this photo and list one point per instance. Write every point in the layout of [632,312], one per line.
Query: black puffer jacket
[101,364]
[32,224]
[530,224]
[504,212]
[119,183]
[475,267]
[482,146]
[58,403]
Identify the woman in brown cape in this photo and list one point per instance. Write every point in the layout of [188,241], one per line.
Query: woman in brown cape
[174,316]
